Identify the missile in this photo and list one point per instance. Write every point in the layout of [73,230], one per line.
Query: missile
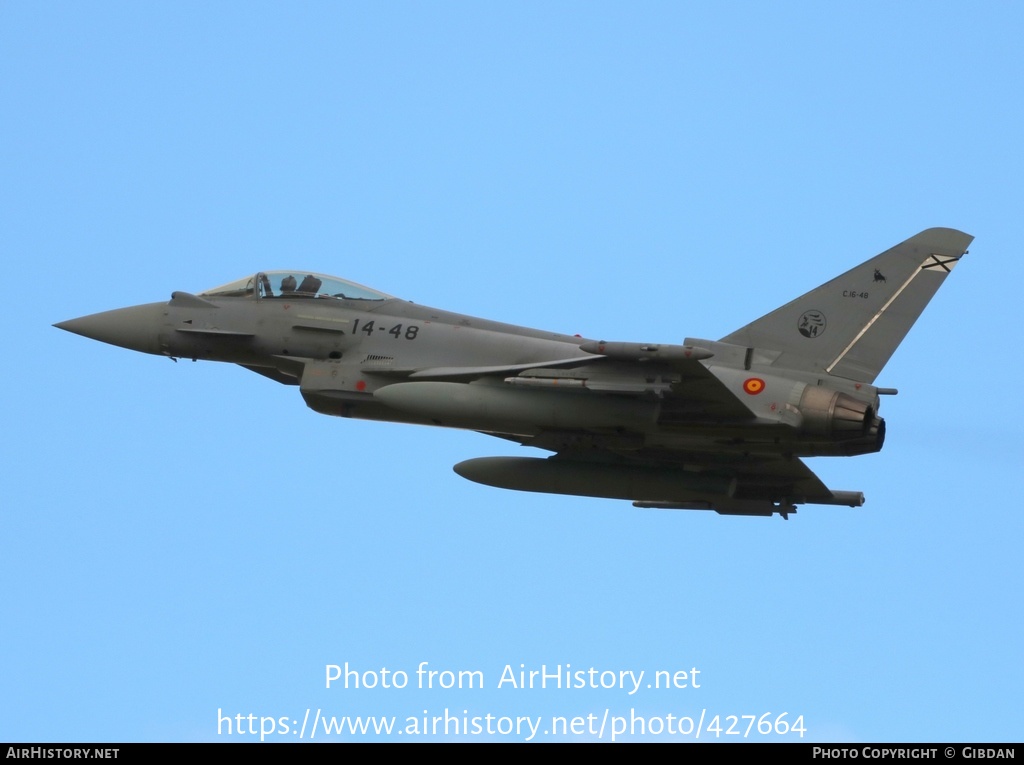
[670,354]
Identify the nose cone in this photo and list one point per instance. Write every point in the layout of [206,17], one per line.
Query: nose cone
[136,328]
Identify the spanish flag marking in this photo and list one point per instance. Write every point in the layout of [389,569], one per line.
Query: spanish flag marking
[753,385]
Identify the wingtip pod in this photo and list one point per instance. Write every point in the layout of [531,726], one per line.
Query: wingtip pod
[850,326]
[846,499]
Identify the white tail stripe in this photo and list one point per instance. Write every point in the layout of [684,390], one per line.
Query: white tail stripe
[932,261]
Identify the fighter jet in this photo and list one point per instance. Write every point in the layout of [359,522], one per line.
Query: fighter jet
[704,425]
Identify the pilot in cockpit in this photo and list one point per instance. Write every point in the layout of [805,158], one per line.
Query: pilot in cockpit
[310,285]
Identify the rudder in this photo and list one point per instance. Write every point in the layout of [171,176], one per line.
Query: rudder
[850,326]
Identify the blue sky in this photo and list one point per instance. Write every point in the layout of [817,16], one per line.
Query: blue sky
[636,173]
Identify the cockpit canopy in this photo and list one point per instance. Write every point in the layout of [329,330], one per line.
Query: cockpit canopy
[295,284]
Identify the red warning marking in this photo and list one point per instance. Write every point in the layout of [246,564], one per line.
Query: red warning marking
[753,385]
[361,385]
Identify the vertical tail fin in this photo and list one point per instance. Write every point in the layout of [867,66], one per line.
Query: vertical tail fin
[850,326]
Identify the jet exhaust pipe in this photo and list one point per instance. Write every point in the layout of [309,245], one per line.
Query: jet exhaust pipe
[843,418]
